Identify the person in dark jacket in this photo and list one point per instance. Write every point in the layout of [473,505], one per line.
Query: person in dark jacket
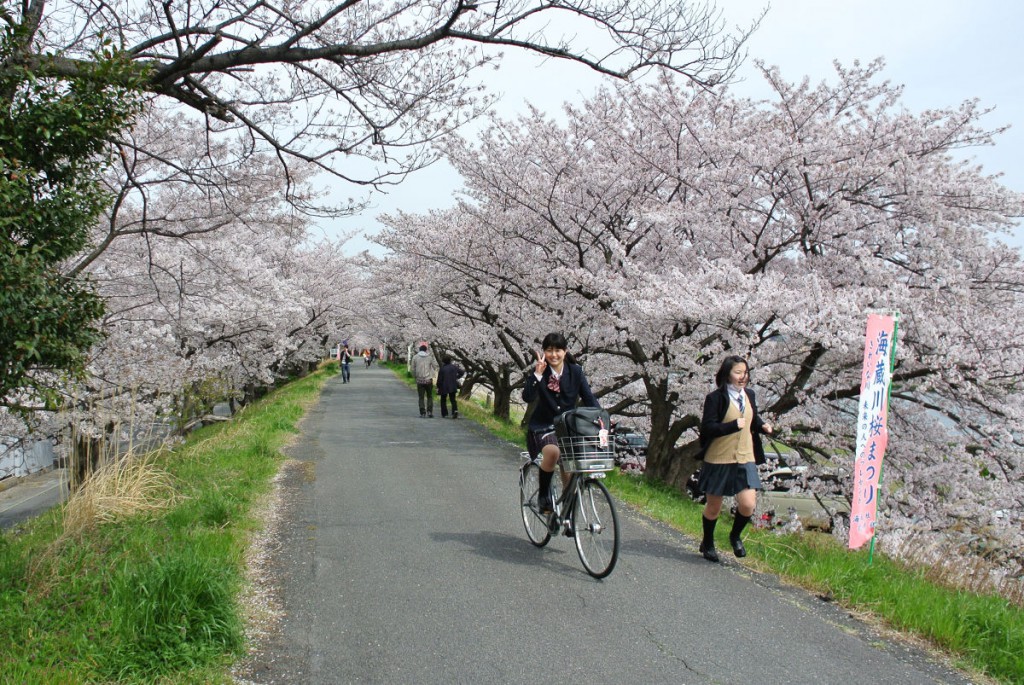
[346,360]
[730,440]
[557,384]
[448,385]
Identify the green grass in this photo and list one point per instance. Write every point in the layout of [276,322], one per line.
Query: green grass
[150,598]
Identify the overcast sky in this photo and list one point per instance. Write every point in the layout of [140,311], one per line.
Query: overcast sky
[942,51]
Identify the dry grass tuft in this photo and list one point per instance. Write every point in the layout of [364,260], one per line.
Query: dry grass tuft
[121,488]
[962,568]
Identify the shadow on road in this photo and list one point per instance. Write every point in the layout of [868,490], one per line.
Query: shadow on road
[516,550]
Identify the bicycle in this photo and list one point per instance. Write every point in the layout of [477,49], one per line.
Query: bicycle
[583,509]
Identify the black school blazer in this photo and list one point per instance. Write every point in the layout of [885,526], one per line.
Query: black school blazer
[716,404]
[573,387]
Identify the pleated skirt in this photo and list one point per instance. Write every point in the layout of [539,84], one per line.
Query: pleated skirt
[728,479]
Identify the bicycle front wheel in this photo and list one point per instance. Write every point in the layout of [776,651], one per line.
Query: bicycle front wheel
[536,524]
[596,527]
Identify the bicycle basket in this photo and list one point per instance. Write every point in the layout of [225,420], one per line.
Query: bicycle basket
[586,454]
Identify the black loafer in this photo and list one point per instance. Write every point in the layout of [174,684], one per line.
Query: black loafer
[737,547]
[709,552]
[544,504]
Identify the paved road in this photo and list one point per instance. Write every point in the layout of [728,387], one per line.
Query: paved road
[403,560]
[31,496]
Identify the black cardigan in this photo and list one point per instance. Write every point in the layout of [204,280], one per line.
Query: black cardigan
[716,404]
[573,386]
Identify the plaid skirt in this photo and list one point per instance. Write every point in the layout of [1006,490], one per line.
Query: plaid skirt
[728,479]
[536,439]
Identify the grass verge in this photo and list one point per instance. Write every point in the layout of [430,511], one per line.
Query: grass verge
[147,592]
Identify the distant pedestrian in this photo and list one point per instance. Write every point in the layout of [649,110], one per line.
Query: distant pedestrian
[730,441]
[448,386]
[424,370]
[345,356]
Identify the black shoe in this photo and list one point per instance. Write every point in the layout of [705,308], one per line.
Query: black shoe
[430,415]
[544,503]
[423,416]
[455,415]
[709,552]
[737,547]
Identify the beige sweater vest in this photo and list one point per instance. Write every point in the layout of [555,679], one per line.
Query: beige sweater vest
[735,448]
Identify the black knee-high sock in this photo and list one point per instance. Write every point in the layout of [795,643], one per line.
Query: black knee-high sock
[737,526]
[545,481]
[709,531]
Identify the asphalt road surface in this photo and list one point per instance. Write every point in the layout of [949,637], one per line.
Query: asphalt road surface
[402,559]
[32,495]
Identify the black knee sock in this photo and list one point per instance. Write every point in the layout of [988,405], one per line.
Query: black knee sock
[709,531]
[545,481]
[737,526]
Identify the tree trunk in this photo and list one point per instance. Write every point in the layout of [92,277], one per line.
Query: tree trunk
[466,390]
[503,389]
[666,462]
[87,455]
[678,468]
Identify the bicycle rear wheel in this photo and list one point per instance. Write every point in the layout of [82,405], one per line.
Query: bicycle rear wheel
[536,524]
[596,527]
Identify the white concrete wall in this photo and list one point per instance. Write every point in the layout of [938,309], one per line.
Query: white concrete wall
[17,461]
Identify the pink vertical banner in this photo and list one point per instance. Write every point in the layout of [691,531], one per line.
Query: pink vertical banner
[872,430]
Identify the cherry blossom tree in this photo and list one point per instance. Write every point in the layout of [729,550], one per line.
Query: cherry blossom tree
[666,226]
[213,291]
[352,89]
[321,82]
[443,265]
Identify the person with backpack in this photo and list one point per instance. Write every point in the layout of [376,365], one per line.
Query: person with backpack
[557,383]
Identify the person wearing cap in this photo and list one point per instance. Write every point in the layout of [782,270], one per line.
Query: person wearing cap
[424,370]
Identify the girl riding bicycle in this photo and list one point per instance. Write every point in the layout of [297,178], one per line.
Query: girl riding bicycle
[557,384]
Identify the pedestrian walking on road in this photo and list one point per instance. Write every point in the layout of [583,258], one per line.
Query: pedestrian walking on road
[346,362]
[448,386]
[424,370]
[557,384]
[730,441]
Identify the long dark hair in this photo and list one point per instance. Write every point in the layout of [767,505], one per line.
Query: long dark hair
[722,377]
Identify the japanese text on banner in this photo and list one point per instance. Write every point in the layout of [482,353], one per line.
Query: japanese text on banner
[872,430]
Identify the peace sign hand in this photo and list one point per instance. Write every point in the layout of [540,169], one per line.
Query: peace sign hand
[541,364]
